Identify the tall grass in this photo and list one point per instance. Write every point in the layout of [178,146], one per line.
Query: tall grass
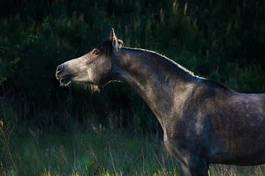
[101,153]
[85,153]
[94,150]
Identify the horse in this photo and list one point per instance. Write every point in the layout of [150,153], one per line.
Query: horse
[203,122]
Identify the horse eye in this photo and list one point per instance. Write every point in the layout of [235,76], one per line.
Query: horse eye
[96,52]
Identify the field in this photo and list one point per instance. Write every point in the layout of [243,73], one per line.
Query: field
[102,153]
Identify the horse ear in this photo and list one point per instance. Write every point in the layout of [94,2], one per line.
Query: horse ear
[121,44]
[116,43]
[112,34]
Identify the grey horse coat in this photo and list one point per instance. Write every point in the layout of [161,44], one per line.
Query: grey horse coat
[203,121]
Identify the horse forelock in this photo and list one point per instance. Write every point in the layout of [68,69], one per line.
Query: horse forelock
[106,47]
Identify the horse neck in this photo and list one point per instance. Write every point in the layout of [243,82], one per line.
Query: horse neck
[153,76]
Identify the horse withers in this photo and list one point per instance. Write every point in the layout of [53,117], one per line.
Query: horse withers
[203,121]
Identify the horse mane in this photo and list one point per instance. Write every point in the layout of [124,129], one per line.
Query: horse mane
[179,68]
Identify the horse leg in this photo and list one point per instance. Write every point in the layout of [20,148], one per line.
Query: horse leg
[194,167]
[190,164]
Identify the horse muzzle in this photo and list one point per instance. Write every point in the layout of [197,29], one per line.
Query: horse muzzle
[63,76]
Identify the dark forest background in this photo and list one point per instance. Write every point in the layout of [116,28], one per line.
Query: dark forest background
[221,40]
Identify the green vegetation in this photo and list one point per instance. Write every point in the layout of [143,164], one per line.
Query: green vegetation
[220,40]
[95,153]
[84,153]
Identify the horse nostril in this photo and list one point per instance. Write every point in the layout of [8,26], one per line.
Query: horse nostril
[60,68]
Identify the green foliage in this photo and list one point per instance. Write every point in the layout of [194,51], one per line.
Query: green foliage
[95,153]
[85,153]
[214,39]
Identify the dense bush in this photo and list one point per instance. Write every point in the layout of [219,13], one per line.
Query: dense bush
[220,40]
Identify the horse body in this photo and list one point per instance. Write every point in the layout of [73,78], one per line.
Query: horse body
[199,117]
[203,122]
[239,126]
